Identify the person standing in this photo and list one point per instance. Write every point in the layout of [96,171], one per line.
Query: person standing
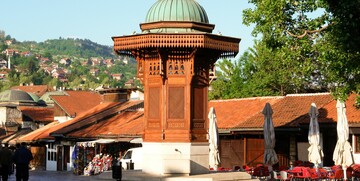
[6,162]
[22,158]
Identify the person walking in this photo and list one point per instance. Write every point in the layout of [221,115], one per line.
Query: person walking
[6,161]
[22,158]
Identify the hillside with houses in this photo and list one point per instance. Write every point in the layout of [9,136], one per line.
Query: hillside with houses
[68,63]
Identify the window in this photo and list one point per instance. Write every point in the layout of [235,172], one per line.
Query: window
[128,155]
[51,152]
[357,143]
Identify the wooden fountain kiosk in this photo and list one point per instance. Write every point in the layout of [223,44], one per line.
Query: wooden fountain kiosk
[175,51]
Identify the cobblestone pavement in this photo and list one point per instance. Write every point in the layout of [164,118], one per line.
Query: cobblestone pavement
[41,175]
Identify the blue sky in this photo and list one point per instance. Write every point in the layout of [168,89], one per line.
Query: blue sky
[99,20]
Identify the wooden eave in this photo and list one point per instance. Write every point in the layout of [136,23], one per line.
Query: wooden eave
[178,24]
[229,46]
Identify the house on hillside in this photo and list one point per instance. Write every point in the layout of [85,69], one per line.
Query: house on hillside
[130,83]
[94,72]
[26,54]
[109,62]
[44,60]
[65,61]
[3,62]
[10,52]
[117,76]
[96,61]
[3,74]
[8,42]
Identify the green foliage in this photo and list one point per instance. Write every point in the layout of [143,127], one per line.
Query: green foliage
[304,46]
[78,51]
[342,52]
[75,47]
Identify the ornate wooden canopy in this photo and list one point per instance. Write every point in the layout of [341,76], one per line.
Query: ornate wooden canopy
[144,43]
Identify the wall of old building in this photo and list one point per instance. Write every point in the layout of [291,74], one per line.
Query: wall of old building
[2,115]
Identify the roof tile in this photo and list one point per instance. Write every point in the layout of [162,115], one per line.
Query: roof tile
[38,90]
[39,114]
[76,102]
[231,113]
[288,109]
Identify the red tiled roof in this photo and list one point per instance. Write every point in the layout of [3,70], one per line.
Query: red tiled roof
[39,114]
[91,119]
[44,132]
[287,110]
[13,138]
[128,123]
[352,113]
[38,90]
[76,102]
[98,114]
[231,113]
[39,134]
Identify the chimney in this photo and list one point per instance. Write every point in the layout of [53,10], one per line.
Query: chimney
[115,94]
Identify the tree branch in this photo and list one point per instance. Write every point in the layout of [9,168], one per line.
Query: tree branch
[307,32]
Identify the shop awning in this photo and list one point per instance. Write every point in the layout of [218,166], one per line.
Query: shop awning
[108,140]
[104,141]
[14,137]
[92,143]
[136,140]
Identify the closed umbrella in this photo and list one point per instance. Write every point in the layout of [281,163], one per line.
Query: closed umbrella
[214,157]
[270,157]
[343,151]
[315,152]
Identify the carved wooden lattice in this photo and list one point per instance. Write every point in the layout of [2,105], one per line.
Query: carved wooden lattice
[229,46]
[154,99]
[176,67]
[154,68]
[198,103]
[176,103]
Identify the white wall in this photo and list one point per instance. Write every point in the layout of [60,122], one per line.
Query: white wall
[2,115]
[62,119]
[175,158]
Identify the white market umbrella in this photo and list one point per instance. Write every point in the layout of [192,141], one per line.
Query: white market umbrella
[343,151]
[315,152]
[270,157]
[214,157]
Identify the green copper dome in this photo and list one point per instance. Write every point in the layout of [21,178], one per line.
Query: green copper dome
[16,95]
[176,10]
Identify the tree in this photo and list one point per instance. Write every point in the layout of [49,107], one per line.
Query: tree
[7,37]
[75,84]
[54,83]
[25,78]
[342,53]
[287,57]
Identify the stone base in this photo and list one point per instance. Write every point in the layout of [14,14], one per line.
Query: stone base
[175,158]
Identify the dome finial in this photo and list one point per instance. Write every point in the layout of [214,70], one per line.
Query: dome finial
[176,16]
